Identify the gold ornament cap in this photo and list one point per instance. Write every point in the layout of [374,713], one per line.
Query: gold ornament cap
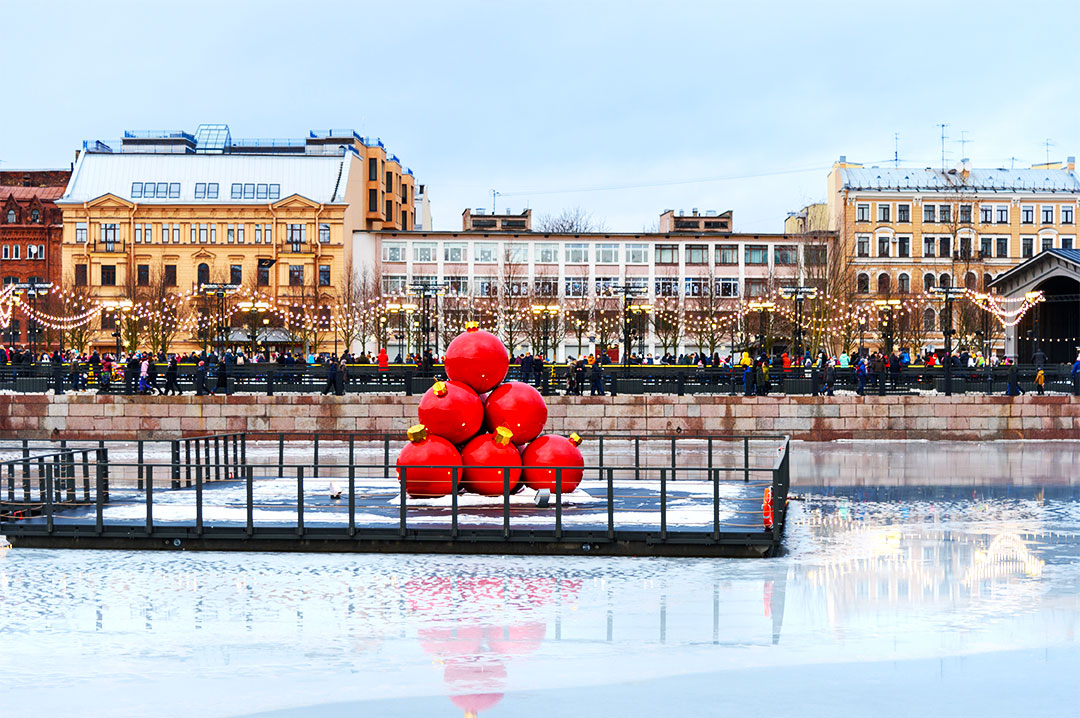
[417,433]
[439,389]
[575,439]
[502,436]
[472,327]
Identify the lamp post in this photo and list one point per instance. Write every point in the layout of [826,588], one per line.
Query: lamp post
[403,311]
[118,307]
[629,292]
[639,313]
[219,292]
[948,294]
[763,307]
[545,313]
[862,334]
[888,305]
[253,308]
[426,290]
[798,294]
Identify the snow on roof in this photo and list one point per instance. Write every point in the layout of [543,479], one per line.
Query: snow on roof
[317,177]
[979,180]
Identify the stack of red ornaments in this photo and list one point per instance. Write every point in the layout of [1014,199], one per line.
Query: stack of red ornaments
[487,427]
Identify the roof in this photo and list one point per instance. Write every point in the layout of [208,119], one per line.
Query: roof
[979,180]
[1069,255]
[319,178]
[21,194]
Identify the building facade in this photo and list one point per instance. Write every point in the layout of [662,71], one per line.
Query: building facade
[164,213]
[30,229]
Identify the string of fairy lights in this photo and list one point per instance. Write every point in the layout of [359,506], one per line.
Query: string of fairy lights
[825,316]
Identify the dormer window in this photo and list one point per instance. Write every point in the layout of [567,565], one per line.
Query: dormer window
[35,216]
[11,216]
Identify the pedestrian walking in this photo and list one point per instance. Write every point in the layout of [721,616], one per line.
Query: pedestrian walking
[597,379]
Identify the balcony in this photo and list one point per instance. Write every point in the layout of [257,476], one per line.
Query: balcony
[109,247]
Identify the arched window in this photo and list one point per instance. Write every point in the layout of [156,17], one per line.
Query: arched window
[945,281]
[903,284]
[862,284]
[928,319]
[971,281]
[883,283]
[928,282]
[204,274]
[11,216]
[35,216]
[986,282]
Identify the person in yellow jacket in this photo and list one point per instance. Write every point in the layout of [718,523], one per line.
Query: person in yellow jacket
[1040,382]
[746,360]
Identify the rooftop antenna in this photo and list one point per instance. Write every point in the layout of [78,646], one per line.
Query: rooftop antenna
[963,141]
[943,125]
[896,149]
[1048,145]
[494,195]
[1012,163]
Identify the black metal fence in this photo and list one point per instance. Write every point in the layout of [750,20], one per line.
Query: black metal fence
[637,379]
[686,495]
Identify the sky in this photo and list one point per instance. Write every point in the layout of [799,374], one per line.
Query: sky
[624,109]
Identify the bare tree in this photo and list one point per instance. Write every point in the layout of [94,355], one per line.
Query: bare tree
[165,313]
[512,297]
[573,220]
[350,319]
[667,323]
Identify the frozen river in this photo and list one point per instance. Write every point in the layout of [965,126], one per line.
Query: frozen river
[921,579]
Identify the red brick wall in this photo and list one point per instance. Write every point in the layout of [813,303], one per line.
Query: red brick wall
[965,418]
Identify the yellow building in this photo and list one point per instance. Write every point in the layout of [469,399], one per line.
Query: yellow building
[167,213]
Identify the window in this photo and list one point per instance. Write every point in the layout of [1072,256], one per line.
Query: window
[965,213]
[108,236]
[261,191]
[262,274]
[296,236]
[148,190]
[7,252]
[637,254]
[200,190]
[162,190]
[1002,214]
[928,282]
[862,213]
[546,252]
[945,281]
[727,254]
[903,246]
[108,321]
[373,200]
[41,251]
[606,254]
[11,216]
[389,213]
[236,274]
[1026,247]
[1066,242]
[486,252]
[230,234]
[268,237]
[212,190]
[324,275]
[928,320]
[903,284]
[174,190]
[883,283]
[862,245]
[455,252]
[80,232]
[1066,215]
[424,251]
[986,247]
[1047,215]
[275,191]
[485,286]
[605,286]
[698,254]
[929,246]
[240,233]
[944,213]
[577,253]
[108,275]
[1002,247]
[170,275]
[667,287]
[372,169]
[546,287]
[575,286]
[202,274]
[249,191]
[296,275]
[965,248]
[883,212]
[785,254]
[986,214]
[324,234]
[390,182]
[1027,215]
[80,275]
[695,286]
[15,251]
[816,255]
[903,213]
[136,190]
[882,246]
[945,247]
[727,286]
[258,234]
[457,285]
[237,191]
[202,233]
[667,254]
[142,275]
[756,254]
[213,234]
[971,281]
[756,287]
[1047,243]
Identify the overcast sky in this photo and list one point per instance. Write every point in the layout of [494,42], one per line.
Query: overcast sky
[622,108]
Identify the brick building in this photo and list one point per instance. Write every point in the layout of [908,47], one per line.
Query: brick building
[31,226]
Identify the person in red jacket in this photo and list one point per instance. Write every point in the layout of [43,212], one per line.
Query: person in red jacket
[384,360]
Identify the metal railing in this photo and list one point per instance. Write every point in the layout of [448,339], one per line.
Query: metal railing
[675,491]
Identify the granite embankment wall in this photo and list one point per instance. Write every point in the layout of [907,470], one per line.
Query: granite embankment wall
[970,417]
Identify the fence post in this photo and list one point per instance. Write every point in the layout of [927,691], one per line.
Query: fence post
[558,503]
[299,500]
[174,461]
[269,382]
[198,493]
[49,498]
[250,481]
[149,500]
[281,455]
[69,475]
[746,458]
[139,461]
[187,462]
[506,502]
[401,498]
[386,456]
[680,383]
[610,502]
[352,487]
[86,474]
[315,457]
[217,458]
[637,457]
[663,504]
[716,502]
[453,501]
[99,493]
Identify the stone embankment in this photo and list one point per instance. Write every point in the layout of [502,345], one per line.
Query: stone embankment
[968,417]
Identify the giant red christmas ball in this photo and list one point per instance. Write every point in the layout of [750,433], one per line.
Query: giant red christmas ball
[486,459]
[419,457]
[452,410]
[517,406]
[478,359]
[553,451]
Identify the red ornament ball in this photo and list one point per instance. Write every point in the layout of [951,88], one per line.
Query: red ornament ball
[555,451]
[519,407]
[423,452]
[486,459]
[477,358]
[452,410]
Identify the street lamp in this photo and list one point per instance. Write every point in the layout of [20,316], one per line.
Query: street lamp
[888,305]
[629,292]
[219,291]
[798,294]
[545,313]
[862,335]
[118,307]
[426,290]
[401,310]
[763,307]
[640,313]
[948,294]
[253,307]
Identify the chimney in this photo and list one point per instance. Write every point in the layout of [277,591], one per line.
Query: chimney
[843,159]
